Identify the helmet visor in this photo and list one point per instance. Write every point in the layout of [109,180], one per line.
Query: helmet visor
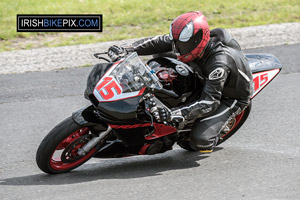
[187,46]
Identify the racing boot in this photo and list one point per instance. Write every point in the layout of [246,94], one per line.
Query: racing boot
[206,149]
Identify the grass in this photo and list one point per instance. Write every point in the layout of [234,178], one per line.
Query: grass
[136,18]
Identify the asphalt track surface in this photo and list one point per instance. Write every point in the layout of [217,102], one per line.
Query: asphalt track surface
[260,162]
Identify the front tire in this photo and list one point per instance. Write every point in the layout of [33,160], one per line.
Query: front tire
[57,152]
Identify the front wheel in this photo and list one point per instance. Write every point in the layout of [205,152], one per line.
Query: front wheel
[58,152]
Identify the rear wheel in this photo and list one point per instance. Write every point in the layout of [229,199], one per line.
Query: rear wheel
[58,152]
[233,125]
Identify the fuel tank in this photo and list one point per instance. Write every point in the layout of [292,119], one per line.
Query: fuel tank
[177,77]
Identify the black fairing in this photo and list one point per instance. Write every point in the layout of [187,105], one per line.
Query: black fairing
[120,112]
[95,75]
[114,112]
[177,77]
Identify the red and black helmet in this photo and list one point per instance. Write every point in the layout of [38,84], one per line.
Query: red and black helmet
[190,34]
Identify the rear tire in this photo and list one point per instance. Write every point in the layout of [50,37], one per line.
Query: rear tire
[63,141]
[239,121]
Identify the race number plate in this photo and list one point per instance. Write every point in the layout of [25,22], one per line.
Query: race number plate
[261,79]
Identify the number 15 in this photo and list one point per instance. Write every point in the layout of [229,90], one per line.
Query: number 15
[260,81]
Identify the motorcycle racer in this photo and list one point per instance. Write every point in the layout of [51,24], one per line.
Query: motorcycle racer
[221,66]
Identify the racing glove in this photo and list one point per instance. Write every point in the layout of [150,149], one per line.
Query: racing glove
[162,114]
[116,53]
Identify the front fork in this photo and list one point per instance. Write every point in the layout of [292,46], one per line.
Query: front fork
[93,142]
[88,117]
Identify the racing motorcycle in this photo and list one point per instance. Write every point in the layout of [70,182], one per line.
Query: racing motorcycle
[119,121]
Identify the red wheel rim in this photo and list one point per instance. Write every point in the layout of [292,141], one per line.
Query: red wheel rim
[237,121]
[57,164]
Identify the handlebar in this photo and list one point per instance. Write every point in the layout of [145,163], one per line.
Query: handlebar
[97,55]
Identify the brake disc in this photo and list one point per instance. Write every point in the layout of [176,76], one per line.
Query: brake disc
[70,154]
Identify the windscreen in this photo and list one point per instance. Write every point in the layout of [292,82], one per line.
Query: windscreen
[125,79]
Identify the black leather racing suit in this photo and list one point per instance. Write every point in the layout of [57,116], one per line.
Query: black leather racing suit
[227,80]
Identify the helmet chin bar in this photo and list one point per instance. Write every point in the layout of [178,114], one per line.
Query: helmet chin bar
[202,53]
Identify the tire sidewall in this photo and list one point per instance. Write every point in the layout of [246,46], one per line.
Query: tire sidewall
[50,143]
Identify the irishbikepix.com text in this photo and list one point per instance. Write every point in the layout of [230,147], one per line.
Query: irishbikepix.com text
[59,23]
